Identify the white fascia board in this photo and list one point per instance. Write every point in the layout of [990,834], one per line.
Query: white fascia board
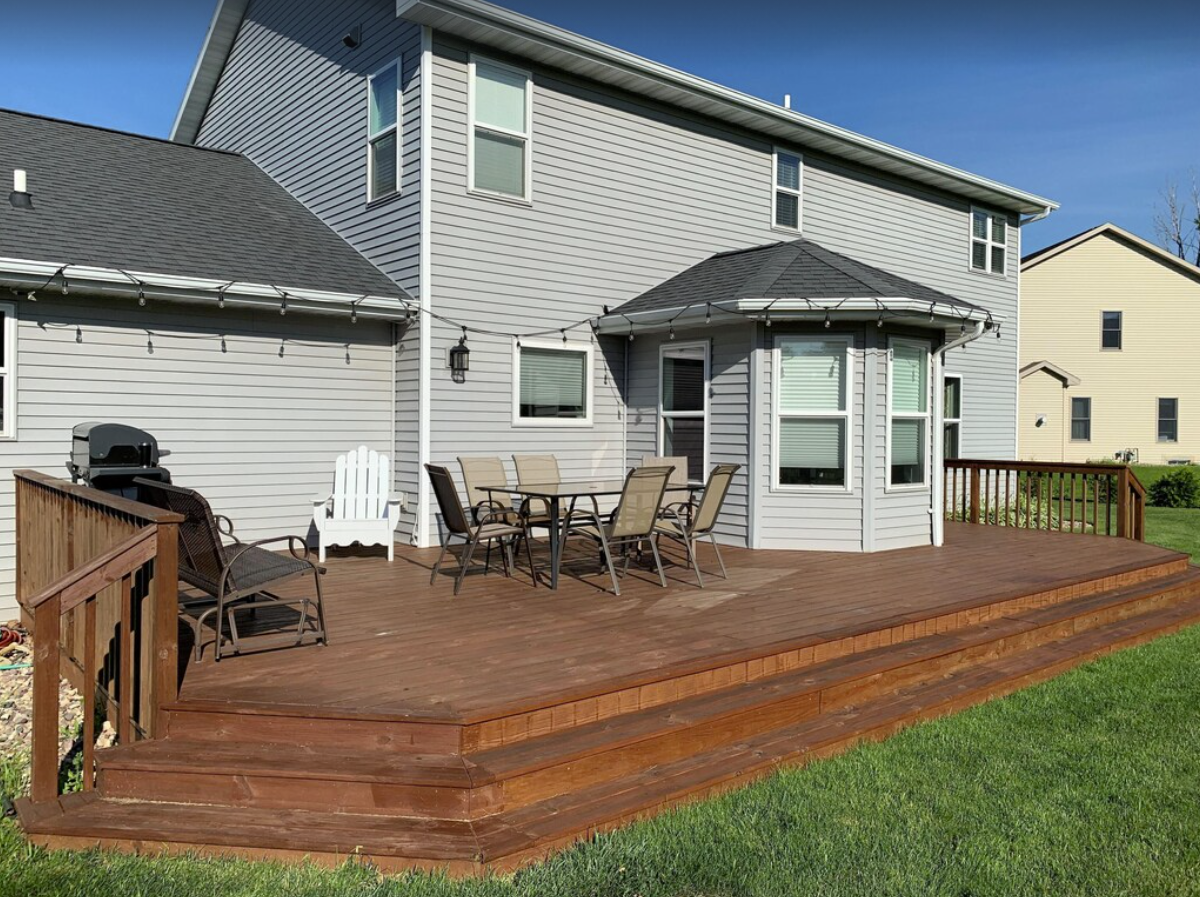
[214,53]
[24,275]
[489,24]
[914,311]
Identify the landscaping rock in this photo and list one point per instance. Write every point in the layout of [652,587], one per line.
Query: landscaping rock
[16,706]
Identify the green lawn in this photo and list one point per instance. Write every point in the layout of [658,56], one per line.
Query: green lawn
[1086,785]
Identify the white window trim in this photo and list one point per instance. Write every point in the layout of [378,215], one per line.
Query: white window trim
[988,242]
[894,341]
[847,414]
[9,370]
[527,199]
[1158,419]
[961,404]
[1071,418]
[1120,330]
[776,190]
[663,414]
[397,128]
[589,377]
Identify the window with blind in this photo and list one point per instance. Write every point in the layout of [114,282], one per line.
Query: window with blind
[812,412]
[788,168]
[383,132]
[1081,420]
[908,413]
[952,417]
[500,129]
[1168,420]
[683,399]
[8,370]
[989,242]
[553,383]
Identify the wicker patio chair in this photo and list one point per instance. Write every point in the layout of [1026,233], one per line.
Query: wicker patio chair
[631,524]
[236,577]
[689,522]
[491,527]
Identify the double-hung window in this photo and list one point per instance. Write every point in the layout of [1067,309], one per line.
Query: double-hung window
[8,370]
[1081,420]
[553,383]
[1110,329]
[989,242]
[952,417]
[812,412]
[684,406]
[383,132]
[501,106]
[1168,420]
[908,418]
[788,170]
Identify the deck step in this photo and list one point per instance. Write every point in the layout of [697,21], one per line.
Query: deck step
[513,836]
[482,784]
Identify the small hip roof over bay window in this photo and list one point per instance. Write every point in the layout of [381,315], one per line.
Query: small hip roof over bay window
[794,280]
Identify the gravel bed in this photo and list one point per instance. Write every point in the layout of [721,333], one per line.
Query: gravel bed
[16,705]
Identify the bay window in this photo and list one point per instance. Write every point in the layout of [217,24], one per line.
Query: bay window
[812,412]
[908,413]
[683,403]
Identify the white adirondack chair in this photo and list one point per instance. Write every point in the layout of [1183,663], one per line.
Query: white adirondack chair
[360,509]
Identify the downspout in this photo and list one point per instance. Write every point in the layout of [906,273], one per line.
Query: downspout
[937,509]
[1038,216]
[422,534]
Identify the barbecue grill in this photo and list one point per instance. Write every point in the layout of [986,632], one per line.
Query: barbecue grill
[109,456]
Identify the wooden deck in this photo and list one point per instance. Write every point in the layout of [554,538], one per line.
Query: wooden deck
[481,731]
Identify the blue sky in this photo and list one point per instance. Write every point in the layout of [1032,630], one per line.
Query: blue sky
[1089,103]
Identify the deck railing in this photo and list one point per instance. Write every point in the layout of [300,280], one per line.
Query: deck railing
[1103,499]
[97,580]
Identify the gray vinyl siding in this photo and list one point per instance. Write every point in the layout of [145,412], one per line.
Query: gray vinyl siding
[294,100]
[728,412]
[254,428]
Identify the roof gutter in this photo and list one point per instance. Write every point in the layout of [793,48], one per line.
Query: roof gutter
[27,279]
[937,504]
[1038,216]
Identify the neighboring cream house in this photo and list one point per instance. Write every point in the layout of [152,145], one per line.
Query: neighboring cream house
[1108,356]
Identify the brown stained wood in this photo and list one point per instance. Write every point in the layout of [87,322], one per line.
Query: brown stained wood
[43,781]
[90,579]
[89,696]
[125,663]
[164,651]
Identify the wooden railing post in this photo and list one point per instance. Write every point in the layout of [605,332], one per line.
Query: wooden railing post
[976,473]
[165,681]
[1123,502]
[43,776]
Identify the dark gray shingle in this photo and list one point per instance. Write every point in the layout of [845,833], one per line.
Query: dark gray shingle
[116,200]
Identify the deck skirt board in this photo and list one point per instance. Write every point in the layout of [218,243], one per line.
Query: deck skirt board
[562,732]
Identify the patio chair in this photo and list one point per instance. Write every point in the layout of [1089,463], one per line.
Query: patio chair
[479,472]
[236,577]
[679,475]
[542,470]
[689,522]
[631,524]
[491,527]
[360,508]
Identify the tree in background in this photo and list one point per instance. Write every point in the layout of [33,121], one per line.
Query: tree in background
[1177,220]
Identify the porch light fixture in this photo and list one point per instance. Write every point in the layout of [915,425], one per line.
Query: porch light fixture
[460,359]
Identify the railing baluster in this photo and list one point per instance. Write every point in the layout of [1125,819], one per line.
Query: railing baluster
[43,774]
[125,664]
[89,695]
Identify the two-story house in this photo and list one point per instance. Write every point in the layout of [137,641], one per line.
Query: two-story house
[640,262]
[1106,351]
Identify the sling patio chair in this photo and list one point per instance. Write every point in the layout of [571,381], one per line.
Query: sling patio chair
[691,521]
[480,472]
[631,524]
[679,474]
[235,577]
[491,527]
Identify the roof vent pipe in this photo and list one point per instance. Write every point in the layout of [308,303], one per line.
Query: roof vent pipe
[20,196]
[787,101]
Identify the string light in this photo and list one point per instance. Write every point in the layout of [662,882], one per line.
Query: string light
[931,312]
[221,297]
[32,297]
[879,323]
[141,293]
[707,312]
[564,335]
[672,331]
[283,305]
[828,321]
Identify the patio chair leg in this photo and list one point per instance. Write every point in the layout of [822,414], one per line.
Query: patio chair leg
[441,557]
[321,636]
[693,554]
[712,538]
[662,576]
[612,567]
[529,555]
[466,562]
[506,557]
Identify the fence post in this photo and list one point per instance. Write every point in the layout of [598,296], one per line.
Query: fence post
[975,477]
[165,682]
[43,774]
[1123,502]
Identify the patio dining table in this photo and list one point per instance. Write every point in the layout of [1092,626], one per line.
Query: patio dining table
[572,491]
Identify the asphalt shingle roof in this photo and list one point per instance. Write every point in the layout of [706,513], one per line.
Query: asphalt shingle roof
[114,200]
[798,269]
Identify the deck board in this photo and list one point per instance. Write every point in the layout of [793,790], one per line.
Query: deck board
[402,648]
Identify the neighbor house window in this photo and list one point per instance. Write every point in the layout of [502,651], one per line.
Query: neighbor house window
[500,129]
[952,417]
[908,420]
[788,168]
[383,133]
[1110,330]
[989,242]
[812,412]
[8,370]
[1168,420]
[1081,420]
[553,383]
[683,398]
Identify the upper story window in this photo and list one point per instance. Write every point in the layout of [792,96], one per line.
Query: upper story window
[989,242]
[383,132]
[812,395]
[8,370]
[1110,329]
[553,383]
[501,112]
[788,169]
[908,413]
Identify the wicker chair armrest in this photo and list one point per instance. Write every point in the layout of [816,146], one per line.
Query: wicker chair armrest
[292,543]
[225,527]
